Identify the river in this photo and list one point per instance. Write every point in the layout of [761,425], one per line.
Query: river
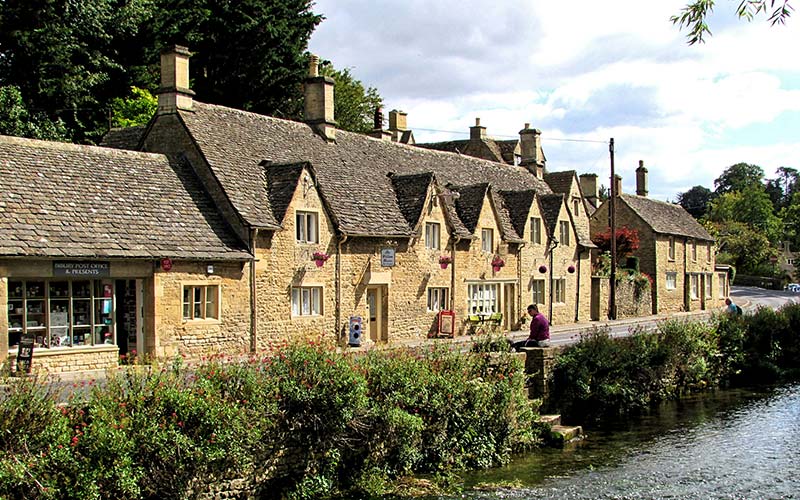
[723,444]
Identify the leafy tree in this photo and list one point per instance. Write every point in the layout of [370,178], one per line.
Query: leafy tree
[788,176]
[16,119]
[774,190]
[739,177]
[696,200]
[741,245]
[249,54]
[627,241]
[353,104]
[791,221]
[64,56]
[134,110]
[694,15]
[751,207]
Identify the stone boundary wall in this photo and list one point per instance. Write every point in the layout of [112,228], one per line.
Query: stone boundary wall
[70,359]
[630,303]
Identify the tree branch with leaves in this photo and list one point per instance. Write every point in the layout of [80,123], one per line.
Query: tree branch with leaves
[694,15]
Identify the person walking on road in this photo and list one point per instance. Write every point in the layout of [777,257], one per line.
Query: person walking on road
[540,330]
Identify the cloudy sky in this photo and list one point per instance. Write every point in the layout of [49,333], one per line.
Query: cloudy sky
[583,70]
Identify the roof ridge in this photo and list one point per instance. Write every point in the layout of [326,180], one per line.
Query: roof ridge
[69,146]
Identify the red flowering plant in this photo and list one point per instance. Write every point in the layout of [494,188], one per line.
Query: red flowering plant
[498,262]
[320,256]
[445,259]
[627,241]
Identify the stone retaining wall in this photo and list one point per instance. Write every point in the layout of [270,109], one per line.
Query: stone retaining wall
[71,359]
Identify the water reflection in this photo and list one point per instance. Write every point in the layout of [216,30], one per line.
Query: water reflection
[726,444]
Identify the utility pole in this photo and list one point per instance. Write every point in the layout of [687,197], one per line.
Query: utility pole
[612,207]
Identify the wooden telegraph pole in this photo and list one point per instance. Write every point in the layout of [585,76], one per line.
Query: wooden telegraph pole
[612,207]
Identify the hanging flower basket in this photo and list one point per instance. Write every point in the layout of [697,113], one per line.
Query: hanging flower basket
[497,263]
[542,269]
[319,258]
[571,269]
[444,261]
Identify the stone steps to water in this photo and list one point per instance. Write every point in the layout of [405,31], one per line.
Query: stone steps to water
[560,434]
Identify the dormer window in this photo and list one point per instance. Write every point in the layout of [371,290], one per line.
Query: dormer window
[487,240]
[564,233]
[536,230]
[432,235]
[576,203]
[306,227]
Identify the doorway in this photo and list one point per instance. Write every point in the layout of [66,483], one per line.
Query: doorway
[128,318]
[376,313]
[510,307]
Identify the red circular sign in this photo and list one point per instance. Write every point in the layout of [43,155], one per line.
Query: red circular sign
[166,264]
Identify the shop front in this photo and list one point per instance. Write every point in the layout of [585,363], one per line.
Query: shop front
[78,315]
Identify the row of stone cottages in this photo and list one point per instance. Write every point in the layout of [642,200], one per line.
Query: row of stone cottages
[214,230]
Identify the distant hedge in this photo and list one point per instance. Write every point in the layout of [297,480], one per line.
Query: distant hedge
[306,423]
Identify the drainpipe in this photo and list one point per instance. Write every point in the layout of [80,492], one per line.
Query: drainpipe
[578,286]
[338,284]
[552,244]
[519,278]
[253,294]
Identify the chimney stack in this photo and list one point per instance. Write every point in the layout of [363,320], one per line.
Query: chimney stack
[477,133]
[398,127]
[617,185]
[641,179]
[531,155]
[589,189]
[377,130]
[319,101]
[174,93]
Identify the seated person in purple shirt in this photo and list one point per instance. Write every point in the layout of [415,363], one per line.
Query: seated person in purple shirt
[540,330]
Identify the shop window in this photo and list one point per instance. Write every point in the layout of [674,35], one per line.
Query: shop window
[694,286]
[559,290]
[671,282]
[708,288]
[536,230]
[200,302]
[61,313]
[432,235]
[437,299]
[537,295]
[564,233]
[306,301]
[723,284]
[306,227]
[482,298]
[487,240]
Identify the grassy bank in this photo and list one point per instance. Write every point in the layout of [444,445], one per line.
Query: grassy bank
[600,376]
[305,423]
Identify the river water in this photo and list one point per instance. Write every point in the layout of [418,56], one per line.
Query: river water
[724,444]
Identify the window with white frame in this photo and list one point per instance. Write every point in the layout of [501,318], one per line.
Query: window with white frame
[559,290]
[671,282]
[306,227]
[200,302]
[694,250]
[537,292]
[487,240]
[307,301]
[671,255]
[482,298]
[564,233]
[536,230]
[437,299]
[708,288]
[723,285]
[694,286]
[432,235]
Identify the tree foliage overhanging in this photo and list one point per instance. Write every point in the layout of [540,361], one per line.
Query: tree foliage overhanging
[70,59]
[694,15]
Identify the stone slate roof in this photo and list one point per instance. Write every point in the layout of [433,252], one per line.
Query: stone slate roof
[469,205]
[560,182]
[507,149]
[507,229]
[70,201]
[486,149]
[551,207]
[352,173]
[666,218]
[518,204]
[411,191]
[282,180]
[124,138]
